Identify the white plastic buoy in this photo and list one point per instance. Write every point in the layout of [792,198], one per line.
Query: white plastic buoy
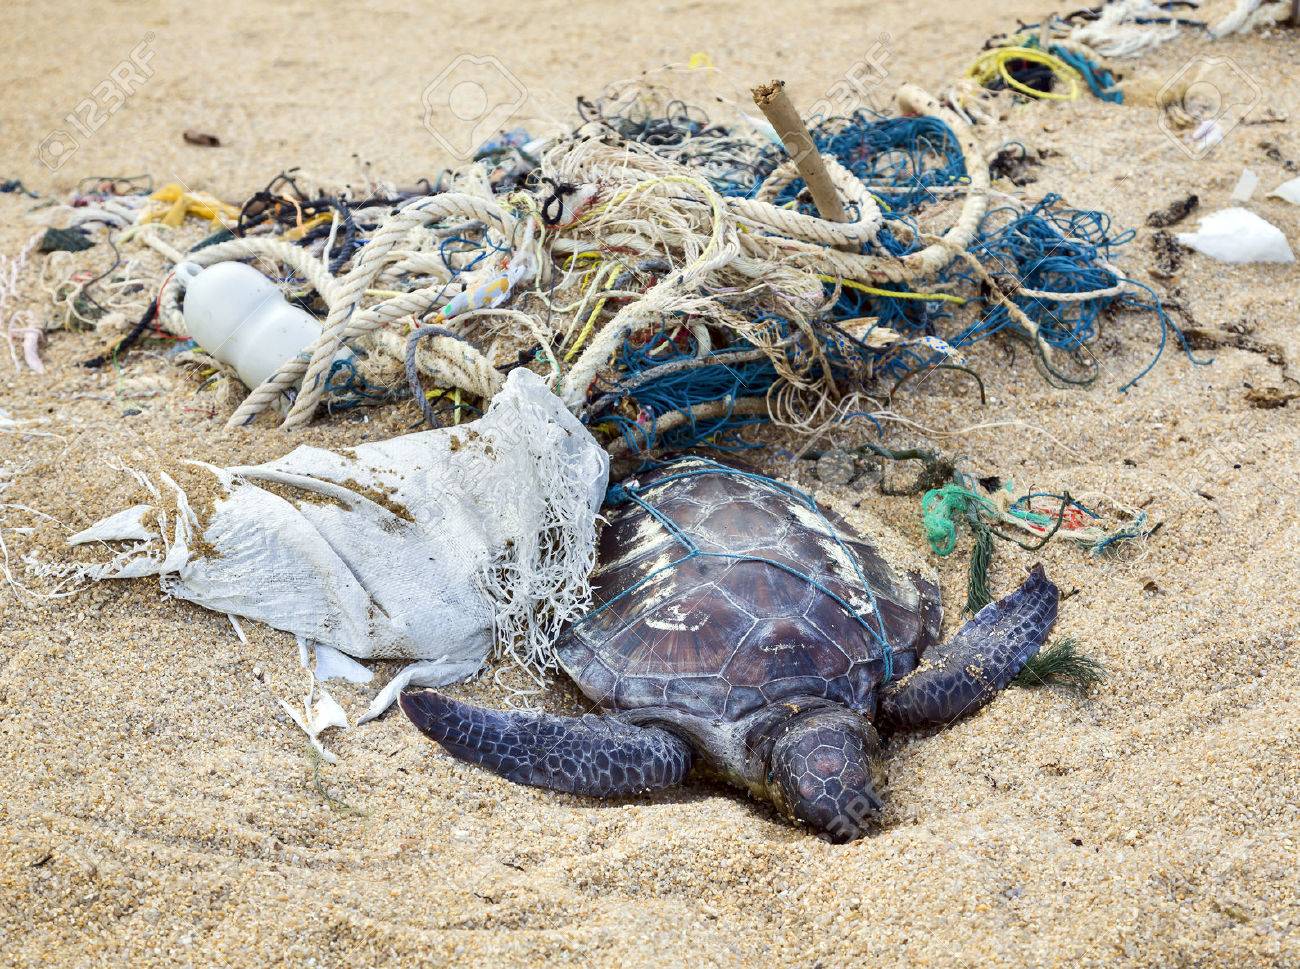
[242,319]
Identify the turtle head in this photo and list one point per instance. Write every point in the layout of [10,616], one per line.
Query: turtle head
[824,771]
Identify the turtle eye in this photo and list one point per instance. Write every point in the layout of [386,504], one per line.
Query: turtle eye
[770,775]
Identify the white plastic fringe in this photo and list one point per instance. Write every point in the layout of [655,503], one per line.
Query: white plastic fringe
[539,582]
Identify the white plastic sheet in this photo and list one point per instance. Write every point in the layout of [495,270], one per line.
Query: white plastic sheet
[1238,235]
[334,665]
[1245,187]
[432,546]
[1288,191]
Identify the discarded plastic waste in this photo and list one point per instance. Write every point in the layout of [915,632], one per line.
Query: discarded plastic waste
[1206,135]
[1245,186]
[318,714]
[1288,191]
[429,546]
[242,319]
[1238,236]
[334,665]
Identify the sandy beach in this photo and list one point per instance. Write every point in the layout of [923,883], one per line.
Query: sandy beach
[157,807]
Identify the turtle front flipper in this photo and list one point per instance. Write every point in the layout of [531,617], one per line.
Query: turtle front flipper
[963,674]
[599,756]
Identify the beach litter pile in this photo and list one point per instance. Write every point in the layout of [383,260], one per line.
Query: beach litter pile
[670,278]
[645,281]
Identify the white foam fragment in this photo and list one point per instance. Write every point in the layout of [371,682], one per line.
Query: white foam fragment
[1236,235]
[1207,134]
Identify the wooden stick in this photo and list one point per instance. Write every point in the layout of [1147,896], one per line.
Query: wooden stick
[780,113]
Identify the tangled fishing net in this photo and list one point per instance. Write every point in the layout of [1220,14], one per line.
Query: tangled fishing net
[666,273]
[667,276]
[1086,51]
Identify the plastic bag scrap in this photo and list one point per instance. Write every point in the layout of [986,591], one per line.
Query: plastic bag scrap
[435,546]
[1238,235]
[1245,187]
[317,715]
[1288,191]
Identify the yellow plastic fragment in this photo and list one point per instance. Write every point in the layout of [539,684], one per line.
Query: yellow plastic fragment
[181,204]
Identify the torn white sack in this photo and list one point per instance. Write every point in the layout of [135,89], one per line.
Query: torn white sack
[432,546]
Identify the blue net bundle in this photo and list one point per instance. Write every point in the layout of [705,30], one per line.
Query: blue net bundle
[909,164]
[668,386]
[664,376]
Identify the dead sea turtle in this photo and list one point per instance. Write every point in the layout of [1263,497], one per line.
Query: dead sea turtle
[744,627]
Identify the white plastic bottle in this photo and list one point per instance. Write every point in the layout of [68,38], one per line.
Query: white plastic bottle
[242,319]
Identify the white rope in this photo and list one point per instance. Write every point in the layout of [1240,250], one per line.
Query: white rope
[11,271]
[628,204]
[1250,14]
[342,294]
[1125,28]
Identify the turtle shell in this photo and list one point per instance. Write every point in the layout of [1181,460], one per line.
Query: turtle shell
[720,634]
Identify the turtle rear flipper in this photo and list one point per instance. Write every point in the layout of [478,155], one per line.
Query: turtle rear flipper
[963,674]
[598,756]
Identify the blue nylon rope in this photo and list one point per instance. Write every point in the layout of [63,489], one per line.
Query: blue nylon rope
[1100,81]
[619,494]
